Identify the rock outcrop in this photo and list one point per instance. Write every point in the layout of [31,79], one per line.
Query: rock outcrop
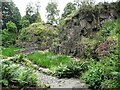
[84,24]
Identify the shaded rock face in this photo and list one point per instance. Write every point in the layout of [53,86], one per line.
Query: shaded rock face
[85,23]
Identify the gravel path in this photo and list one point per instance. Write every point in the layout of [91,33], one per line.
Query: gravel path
[55,82]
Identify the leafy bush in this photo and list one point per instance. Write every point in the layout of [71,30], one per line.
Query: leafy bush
[8,38]
[16,75]
[24,23]
[48,60]
[11,27]
[105,70]
[109,28]
[69,70]
[110,84]
[9,34]
[73,69]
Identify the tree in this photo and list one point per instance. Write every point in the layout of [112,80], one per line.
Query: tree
[9,35]
[52,13]
[29,12]
[69,8]
[77,3]
[24,23]
[10,13]
[32,12]
[83,3]
[37,14]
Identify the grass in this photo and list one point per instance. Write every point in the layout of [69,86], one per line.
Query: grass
[48,60]
[9,51]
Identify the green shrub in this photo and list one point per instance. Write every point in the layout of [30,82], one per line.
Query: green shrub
[109,28]
[73,69]
[101,72]
[9,35]
[8,38]
[110,84]
[24,23]
[69,70]
[16,75]
[11,27]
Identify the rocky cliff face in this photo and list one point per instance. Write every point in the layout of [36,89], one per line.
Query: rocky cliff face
[83,26]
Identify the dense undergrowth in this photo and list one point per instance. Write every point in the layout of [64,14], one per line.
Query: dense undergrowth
[17,76]
[105,72]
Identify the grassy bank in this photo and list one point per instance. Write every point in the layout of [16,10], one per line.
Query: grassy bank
[48,60]
[10,51]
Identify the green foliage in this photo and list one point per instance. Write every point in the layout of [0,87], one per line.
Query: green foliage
[109,28]
[24,23]
[84,6]
[23,35]
[100,72]
[10,13]
[43,34]
[72,69]
[9,34]
[9,51]
[32,13]
[52,13]
[48,60]
[8,38]
[111,84]
[69,12]
[104,74]
[69,9]
[16,75]
[11,27]
[29,12]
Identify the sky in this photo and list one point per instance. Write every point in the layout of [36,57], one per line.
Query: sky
[21,4]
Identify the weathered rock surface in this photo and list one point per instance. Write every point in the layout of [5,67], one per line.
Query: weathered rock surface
[86,23]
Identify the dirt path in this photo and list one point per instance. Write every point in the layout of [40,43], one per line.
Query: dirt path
[55,82]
